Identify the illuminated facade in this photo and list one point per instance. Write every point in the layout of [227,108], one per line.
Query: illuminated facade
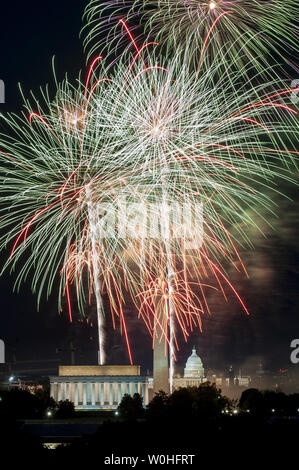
[193,372]
[194,367]
[98,387]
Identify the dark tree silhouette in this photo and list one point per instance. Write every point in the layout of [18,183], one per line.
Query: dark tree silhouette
[275,402]
[48,403]
[252,400]
[292,404]
[157,407]
[131,408]
[205,401]
[21,404]
[65,409]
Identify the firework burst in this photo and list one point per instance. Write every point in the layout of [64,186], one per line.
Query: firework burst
[57,183]
[154,133]
[256,31]
[193,140]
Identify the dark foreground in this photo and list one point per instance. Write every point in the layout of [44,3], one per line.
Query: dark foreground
[192,427]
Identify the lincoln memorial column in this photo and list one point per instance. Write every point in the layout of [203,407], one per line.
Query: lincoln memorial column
[93,402]
[67,391]
[72,392]
[110,394]
[84,393]
[96,392]
[76,399]
[88,392]
[52,390]
[119,397]
[102,390]
[146,393]
[80,388]
[64,391]
[59,394]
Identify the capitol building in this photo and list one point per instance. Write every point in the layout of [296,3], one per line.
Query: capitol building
[194,373]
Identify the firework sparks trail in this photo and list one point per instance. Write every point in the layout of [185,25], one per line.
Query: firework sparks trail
[53,195]
[176,125]
[96,274]
[152,132]
[250,31]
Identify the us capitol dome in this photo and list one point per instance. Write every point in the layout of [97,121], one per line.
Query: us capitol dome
[194,367]
[194,373]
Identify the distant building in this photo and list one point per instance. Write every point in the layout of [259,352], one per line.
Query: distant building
[194,373]
[194,367]
[97,387]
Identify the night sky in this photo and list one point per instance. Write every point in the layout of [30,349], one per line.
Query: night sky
[31,33]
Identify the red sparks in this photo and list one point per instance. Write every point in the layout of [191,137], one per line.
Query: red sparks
[280,93]
[253,121]
[262,103]
[94,88]
[44,122]
[130,35]
[208,36]
[139,52]
[68,301]
[229,284]
[90,72]
[25,230]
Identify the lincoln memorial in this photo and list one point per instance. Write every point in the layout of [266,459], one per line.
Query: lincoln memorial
[97,387]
